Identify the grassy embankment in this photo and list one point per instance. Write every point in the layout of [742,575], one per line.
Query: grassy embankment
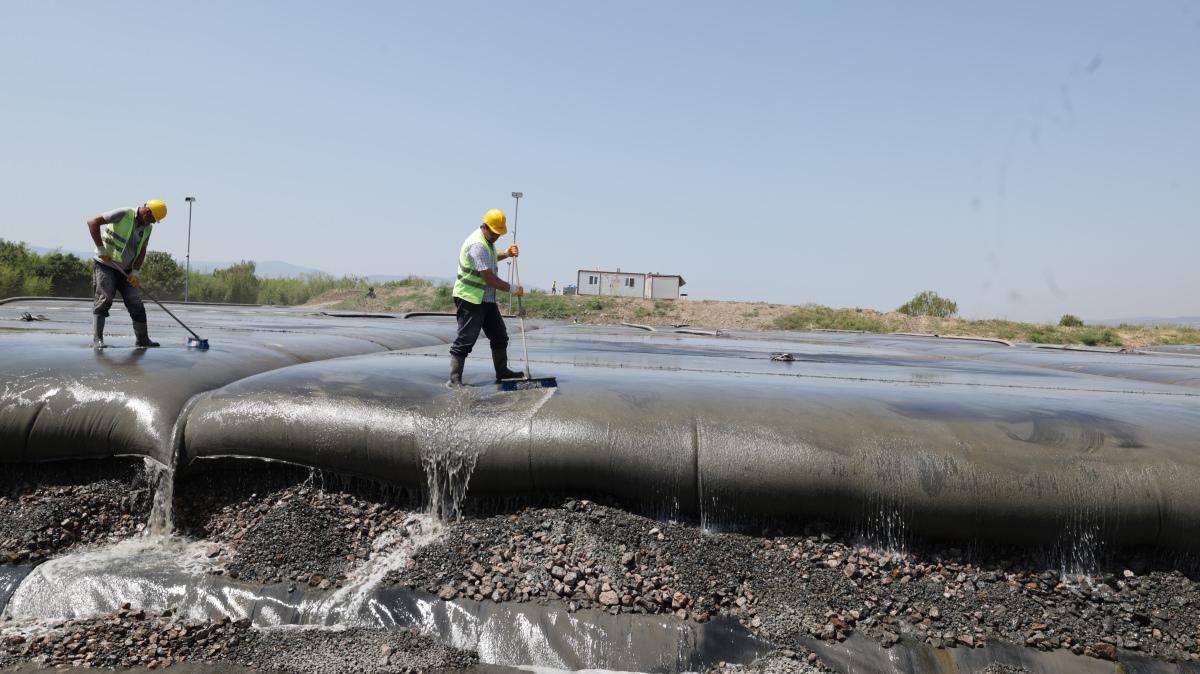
[417,295]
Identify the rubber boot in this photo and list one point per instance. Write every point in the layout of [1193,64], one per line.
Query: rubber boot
[456,370]
[98,333]
[500,360]
[143,336]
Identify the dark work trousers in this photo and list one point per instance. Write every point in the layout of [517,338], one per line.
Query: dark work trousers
[109,282]
[475,317]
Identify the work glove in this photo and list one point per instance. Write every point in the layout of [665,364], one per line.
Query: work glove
[103,255]
[513,251]
[519,291]
[135,279]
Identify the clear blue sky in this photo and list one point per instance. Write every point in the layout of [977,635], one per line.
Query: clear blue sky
[1024,158]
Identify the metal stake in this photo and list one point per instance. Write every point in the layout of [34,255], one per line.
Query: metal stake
[187,274]
[516,215]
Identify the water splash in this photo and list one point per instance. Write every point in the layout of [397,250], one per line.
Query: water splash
[883,524]
[451,440]
[1080,545]
[162,516]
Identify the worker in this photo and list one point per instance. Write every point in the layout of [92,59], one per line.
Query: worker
[475,297]
[121,236]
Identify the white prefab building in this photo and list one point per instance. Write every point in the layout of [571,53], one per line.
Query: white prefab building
[611,283]
[663,286]
[628,284]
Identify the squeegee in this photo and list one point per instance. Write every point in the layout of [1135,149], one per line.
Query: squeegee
[528,381]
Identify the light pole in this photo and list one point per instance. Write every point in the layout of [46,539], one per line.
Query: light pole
[187,274]
[516,214]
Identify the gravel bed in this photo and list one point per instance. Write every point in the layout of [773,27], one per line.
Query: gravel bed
[785,587]
[129,638]
[50,508]
[284,528]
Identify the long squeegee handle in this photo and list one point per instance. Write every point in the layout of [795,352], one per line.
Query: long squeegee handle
[521,315]
[160,306]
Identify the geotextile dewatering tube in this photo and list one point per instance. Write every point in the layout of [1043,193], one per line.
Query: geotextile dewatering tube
[904,436]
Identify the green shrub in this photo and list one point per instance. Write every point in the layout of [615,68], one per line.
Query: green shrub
[68,276]
[410,282]
[12,282]
[23,272]
[815,317]
[1099,337]
[1070,321]
[163,276]
[929,303]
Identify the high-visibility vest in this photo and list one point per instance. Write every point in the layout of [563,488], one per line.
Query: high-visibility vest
[468,283]
[115,237]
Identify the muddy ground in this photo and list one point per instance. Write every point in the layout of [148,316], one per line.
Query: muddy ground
[296,526]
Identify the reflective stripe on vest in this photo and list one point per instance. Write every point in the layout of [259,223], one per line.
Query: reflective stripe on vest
[115,237]
[468,283]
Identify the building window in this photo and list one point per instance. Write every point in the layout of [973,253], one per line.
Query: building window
[629,282]
[592,280]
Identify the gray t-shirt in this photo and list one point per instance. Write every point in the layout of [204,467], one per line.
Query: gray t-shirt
[481,258]
[135,238]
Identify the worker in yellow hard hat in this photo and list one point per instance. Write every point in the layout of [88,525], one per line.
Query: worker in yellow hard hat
[121,236]
[475,289]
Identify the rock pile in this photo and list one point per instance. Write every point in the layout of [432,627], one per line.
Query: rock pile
[50,509]
[818,585]
[590,556]
[301,534]
[129,638]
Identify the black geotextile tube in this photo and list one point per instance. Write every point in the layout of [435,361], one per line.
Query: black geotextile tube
[60,399]
[1027,465]
[901,435]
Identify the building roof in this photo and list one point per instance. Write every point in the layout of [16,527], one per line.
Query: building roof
[600,271]
[632,273]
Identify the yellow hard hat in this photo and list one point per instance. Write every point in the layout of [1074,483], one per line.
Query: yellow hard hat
[157,208]
[496,221]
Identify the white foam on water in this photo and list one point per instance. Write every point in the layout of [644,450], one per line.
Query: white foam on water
[144,571]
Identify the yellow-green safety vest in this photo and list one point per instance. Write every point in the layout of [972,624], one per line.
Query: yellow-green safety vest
[115,237]
[468,283]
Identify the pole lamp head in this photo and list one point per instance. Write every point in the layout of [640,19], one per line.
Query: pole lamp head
[518,195]
[189,199]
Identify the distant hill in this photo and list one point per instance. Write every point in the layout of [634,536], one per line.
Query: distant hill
[384,278]
[263,269]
